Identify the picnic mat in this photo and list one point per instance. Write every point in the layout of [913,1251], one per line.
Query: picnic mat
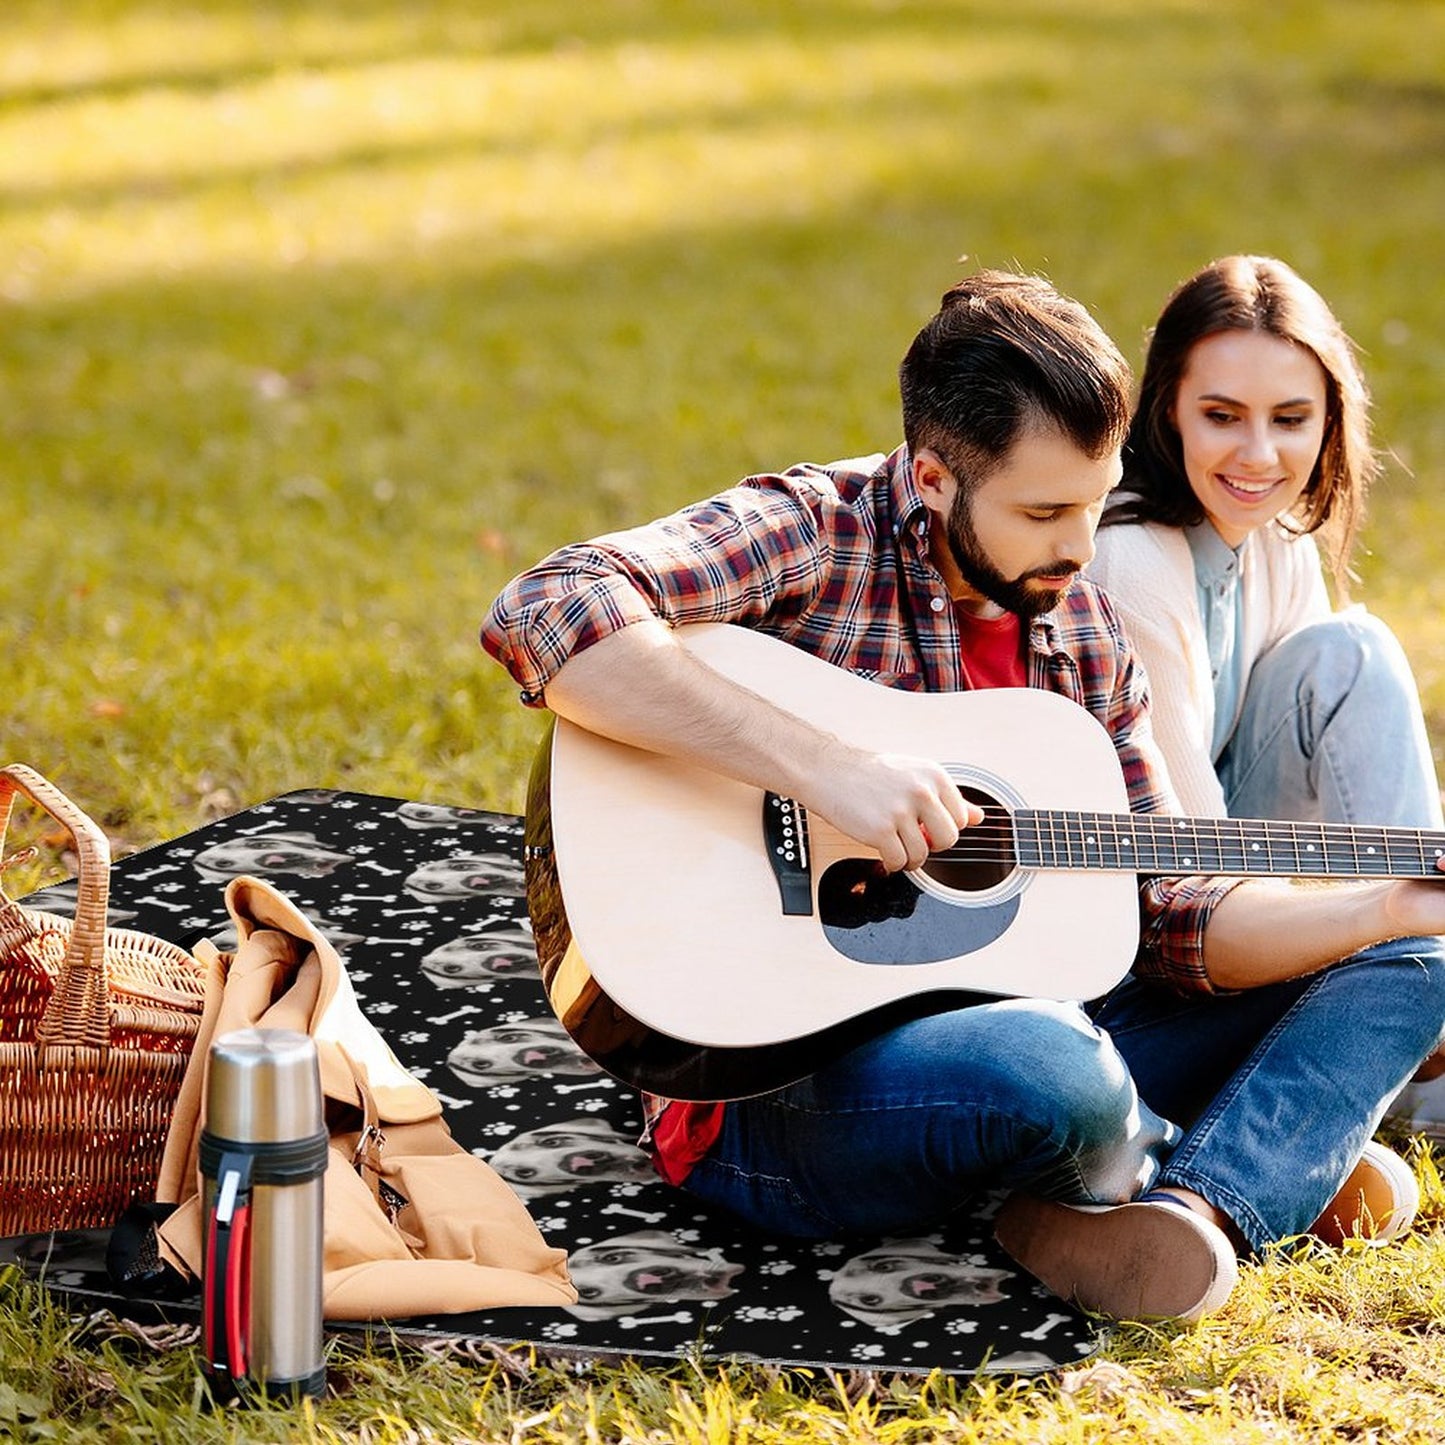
[426,905]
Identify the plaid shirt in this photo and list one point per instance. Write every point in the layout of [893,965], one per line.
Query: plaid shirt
[834,559]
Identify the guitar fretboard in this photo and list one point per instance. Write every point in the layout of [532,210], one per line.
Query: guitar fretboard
[1157,843]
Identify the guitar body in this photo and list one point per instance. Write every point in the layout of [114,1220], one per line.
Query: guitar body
[663,925]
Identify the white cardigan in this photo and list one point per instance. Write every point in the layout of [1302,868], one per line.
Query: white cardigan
[1148,571]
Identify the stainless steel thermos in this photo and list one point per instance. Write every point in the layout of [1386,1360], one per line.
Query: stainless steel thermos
[263,1158]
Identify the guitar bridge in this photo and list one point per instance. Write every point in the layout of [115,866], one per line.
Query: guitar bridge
[785,833]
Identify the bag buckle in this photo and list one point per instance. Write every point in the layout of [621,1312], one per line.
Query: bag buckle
[369,1144]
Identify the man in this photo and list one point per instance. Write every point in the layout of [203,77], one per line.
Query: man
[1229,1087]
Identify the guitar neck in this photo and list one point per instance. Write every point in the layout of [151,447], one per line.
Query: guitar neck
[1159,843]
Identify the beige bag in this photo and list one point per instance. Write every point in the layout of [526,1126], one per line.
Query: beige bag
[414,1224]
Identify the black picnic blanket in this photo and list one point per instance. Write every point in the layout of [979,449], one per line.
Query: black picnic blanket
[426,904]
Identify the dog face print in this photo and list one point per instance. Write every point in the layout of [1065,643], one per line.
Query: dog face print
[435,815]
[508,1052]
[561,1157]
[631,1273]
[474,958]
[466,874]
[906,1280]
[267,853]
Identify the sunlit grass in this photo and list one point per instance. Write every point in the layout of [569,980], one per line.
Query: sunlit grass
[319,325]
[318,321]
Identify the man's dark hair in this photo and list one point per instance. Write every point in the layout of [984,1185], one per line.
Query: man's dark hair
[1002,353]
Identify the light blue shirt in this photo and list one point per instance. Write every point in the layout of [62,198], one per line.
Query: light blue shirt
[1216,580]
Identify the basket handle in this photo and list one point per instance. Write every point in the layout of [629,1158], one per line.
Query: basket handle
[79,1008]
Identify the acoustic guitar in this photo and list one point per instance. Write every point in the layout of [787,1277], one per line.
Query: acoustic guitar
[704,939]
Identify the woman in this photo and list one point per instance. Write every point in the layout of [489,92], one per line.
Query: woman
[1251,441]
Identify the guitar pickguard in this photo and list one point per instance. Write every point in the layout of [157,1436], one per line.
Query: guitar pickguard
[885,918]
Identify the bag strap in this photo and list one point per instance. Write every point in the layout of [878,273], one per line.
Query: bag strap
[78,1012]
[366,1157]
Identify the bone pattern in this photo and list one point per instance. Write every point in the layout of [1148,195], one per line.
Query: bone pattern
[393,882]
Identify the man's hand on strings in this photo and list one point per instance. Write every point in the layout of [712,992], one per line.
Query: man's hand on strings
[904,807]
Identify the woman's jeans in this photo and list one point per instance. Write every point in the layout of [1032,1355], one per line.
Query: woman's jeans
[1330,731]
[1260,1101]
[1279,1088]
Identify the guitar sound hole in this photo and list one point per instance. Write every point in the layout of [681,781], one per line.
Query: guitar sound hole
[983,857]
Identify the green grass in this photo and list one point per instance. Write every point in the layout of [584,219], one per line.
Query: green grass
[317,321]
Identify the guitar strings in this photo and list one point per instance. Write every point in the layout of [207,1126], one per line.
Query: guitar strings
[996,839]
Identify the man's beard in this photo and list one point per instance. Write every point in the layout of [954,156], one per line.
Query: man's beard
[1012,594]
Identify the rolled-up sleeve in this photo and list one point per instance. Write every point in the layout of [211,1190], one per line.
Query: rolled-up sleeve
[752,551]
[1174,913]
[548,614]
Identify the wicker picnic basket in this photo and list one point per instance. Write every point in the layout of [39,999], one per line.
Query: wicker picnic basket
[96,1026]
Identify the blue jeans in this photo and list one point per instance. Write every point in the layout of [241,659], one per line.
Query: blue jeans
[1330,730]
[1279,1088]
[895,1135]
[1260,1101]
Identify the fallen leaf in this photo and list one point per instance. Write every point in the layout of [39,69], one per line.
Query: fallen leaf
[1106,1380]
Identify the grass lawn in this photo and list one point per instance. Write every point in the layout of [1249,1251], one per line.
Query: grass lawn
[318,321]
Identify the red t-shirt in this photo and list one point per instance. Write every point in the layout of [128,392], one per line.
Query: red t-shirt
[993,656]
[993,649]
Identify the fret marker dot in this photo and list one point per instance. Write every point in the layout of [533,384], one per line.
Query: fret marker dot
[1369,850]
[1189,862]
[1254,847]
[1309,847]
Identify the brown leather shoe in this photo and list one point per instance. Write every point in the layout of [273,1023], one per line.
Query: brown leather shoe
[1376,1203]
[1131,1261]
